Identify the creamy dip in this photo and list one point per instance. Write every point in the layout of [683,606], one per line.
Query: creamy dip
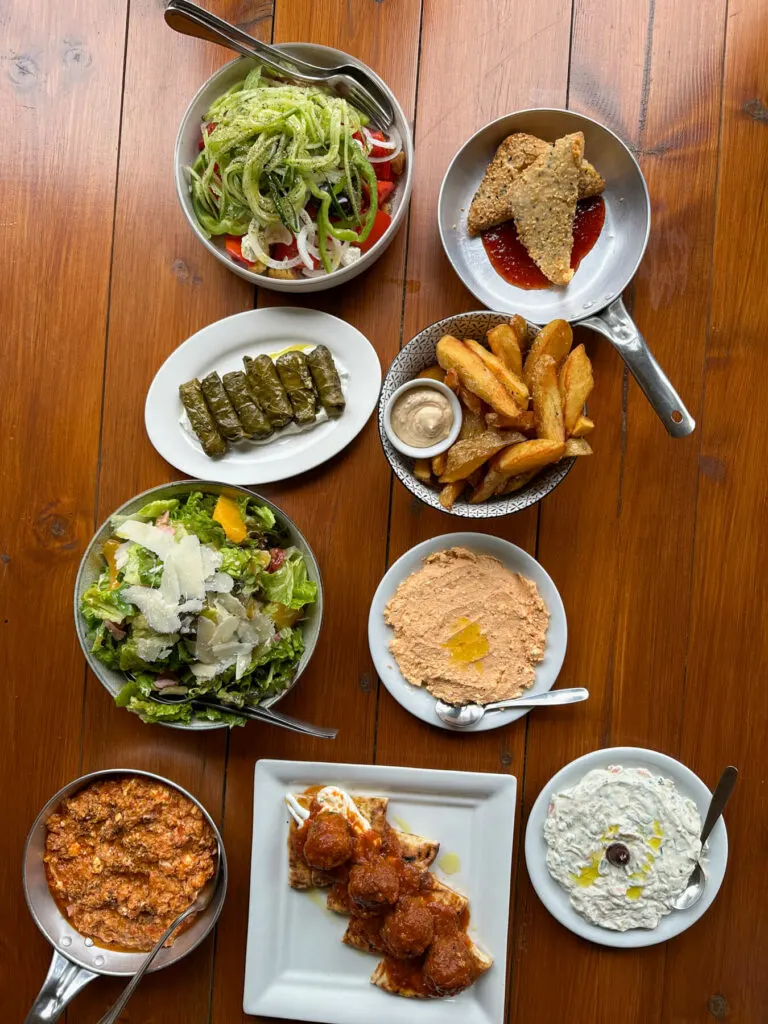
[422,417]
[466,628]
[622,843]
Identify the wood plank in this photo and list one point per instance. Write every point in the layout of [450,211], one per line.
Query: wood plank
[342,507]
[164,287]
[516,57]
[717,971]
[60,88]
[623,564]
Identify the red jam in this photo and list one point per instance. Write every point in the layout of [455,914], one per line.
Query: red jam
[510,258]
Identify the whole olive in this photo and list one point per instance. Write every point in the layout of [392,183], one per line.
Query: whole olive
[617,854]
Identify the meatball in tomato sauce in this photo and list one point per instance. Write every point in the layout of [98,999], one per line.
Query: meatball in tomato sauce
[373,885]
[409,929]
[329,842]
[448,965]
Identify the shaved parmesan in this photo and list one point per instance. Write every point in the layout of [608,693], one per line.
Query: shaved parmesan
[187,557]
[162,615]
[159,541]
[220,583]
[212,559]
[155,648]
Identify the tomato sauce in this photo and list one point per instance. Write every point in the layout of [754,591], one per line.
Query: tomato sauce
[510,258]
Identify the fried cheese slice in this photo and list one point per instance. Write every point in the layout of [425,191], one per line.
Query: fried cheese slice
[543,204]
[491,203]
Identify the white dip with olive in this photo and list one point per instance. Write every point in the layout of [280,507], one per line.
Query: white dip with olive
[622,843]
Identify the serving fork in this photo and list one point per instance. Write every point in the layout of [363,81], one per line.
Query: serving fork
[345,80]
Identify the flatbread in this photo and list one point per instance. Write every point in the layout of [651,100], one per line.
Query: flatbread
[381,979]
[491,203]
[543,203]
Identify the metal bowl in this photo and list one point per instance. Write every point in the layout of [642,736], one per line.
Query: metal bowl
[417,355]
[187,150]
[91,566]
[76,960]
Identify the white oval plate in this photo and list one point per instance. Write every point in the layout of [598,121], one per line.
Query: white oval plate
[419,701]
[556,899]
[221,346]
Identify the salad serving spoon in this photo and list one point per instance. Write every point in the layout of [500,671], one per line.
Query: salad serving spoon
[346,80]
[462,716]
[204,897]
[255,712]
[692,892]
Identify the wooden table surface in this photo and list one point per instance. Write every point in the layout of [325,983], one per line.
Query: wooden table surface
[656,545]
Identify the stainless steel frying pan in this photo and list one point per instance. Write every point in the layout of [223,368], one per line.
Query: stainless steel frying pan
[593,297]
[76,960]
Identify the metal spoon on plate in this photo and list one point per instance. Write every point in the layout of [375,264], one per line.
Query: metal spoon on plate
[692,892]
[463,716]
[204,897]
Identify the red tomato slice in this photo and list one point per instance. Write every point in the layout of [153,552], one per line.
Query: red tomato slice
[385,190]
[381,222]
[280,251]
[207,128]
[234,247]
[383,171]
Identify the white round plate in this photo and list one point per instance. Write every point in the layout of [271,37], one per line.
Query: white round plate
[555,898]
[221,346]
[420,702]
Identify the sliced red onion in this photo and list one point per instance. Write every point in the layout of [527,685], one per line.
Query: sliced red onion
[386,144]
[253,242]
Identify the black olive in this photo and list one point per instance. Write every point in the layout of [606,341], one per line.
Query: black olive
[617,854]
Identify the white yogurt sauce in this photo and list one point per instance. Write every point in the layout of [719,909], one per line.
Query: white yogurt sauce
[644,813]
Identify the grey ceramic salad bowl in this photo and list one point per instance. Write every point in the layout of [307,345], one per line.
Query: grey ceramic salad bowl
[417,355]
[187,150]
[92,563]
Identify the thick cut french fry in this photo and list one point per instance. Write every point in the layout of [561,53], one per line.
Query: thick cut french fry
[475,375]
[524,421]
[584,426]
[514,483]
[520,326]
[506,347]
[450,493]
[492,482]
[513,384]
[576,383]
[452,381]
[527,455]
[472,424]
[470,401]
[422,470]
[432,373]
[464,457]
[547,403]
[475,477]
[576,446]
[554,339]
[438,464]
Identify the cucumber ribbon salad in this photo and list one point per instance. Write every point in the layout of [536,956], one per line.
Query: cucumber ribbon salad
[292,177]
[198,595]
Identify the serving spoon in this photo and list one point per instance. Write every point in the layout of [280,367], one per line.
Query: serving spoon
[692,892]
[463,716]
[204,897]
[254,711]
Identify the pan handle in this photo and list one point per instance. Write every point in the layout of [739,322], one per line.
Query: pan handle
[615,323]
[62,983]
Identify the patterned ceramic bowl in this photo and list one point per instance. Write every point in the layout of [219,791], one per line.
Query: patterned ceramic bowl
[417,355]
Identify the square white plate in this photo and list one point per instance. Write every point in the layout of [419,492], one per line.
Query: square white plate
[296,965]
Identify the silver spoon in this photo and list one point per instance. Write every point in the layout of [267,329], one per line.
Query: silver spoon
[462,716]
[256,712]
[692,893]
[204,897]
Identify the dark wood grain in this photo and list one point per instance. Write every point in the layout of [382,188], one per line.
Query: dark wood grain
[60,85]
[634,552]
[655,545]
[155,255]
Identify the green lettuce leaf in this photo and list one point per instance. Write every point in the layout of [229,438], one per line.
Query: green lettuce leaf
[143,567]
[105,647]
[289,585]
[100,604]
[156,508]
[196,516]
